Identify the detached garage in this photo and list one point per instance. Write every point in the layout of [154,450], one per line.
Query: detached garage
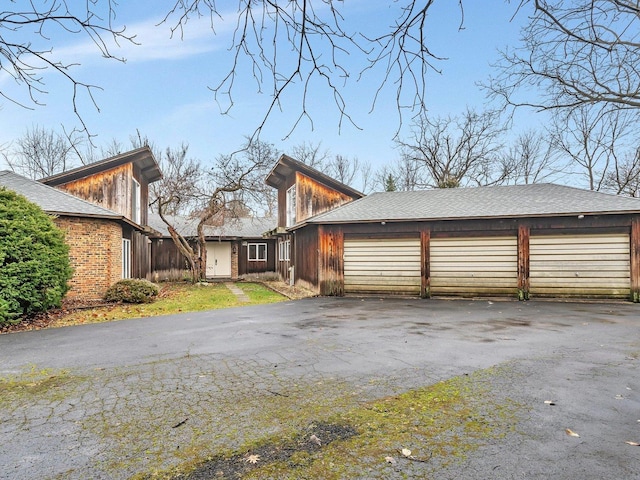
[526,241]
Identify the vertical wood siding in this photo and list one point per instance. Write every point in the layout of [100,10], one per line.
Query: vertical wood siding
[635,260]
[580,265]
[474,266]
[331,260]
[304,252]
[314,198]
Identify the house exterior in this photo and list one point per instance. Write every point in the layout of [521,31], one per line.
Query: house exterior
[303,192]
[94,234]
[524,241]
[119,184]
[235,248]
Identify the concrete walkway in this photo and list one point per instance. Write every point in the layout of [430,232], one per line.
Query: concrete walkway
[242,297]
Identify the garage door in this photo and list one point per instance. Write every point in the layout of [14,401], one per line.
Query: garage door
[382,266]
[580,265]
[478,266]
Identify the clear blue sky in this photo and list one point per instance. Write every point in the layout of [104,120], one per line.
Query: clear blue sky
[162,89]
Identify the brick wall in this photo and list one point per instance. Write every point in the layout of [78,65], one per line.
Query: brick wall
[235,248]
[95,254]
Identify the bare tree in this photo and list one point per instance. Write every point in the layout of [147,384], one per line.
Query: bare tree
[404,175]
[41,153]
[180,184]
[310,154]
[593,140]
[303,44]
[624,178]
[220,185]
[27,51]
[531,159]
[583,52]
[456,151]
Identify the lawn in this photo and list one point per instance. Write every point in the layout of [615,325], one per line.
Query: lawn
[174,298]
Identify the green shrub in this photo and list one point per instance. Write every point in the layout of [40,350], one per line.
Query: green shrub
[132,290]
[34,259]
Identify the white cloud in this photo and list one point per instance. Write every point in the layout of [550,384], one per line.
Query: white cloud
[153,41]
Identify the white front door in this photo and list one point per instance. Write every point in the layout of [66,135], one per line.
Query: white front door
[219,259]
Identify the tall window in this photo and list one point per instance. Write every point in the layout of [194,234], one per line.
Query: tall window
[126,258]
[291,206]
[284,248]
[257,252]
[135,201]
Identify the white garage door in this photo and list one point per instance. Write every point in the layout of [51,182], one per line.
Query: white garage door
[475,266]
[580,265]
[382,266]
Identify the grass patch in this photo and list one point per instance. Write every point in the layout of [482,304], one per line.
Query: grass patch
[175,298]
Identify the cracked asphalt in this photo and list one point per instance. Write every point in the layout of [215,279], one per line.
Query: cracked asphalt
[137,396]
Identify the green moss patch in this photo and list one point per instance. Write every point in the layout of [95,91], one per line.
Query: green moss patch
[438,424]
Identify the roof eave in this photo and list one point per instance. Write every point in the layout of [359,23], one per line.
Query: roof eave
[487,217]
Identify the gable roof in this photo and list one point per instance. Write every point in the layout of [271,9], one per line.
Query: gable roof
[143,157]
[537,200]
[287,165]
[54,201]
[232,228]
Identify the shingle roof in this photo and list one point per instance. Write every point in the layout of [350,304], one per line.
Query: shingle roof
[233,227]
[482,202]
[52,200]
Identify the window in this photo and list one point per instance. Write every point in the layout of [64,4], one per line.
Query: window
[135,201]
[291,206]
[257,252]
[126,258]
[284,248]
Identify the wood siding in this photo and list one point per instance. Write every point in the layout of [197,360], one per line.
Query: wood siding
[391,266]
[514,278]
[246,267]
[331,260]
[304,252]
[314,198]
[635,260]
[580,265]
[140,255]
[474,266]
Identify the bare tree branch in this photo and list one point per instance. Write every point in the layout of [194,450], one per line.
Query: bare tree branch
[26,62]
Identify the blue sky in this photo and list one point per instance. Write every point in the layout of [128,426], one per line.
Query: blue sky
[162,89]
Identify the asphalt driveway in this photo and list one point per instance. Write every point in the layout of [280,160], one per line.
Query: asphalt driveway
[145,374]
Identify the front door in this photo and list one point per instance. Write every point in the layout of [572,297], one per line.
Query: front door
[219,259]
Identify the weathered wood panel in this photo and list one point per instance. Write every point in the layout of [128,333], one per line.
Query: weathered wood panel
[246,266]
[382,265]
[580,265]
[524,233]
[474,266]
[140,255]
[314,198]
[635,260]
[331,260]
[304,248]
[110,189]
[425,262]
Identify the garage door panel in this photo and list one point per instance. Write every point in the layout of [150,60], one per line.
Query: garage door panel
[474,266]
[382,266]
[580,265]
